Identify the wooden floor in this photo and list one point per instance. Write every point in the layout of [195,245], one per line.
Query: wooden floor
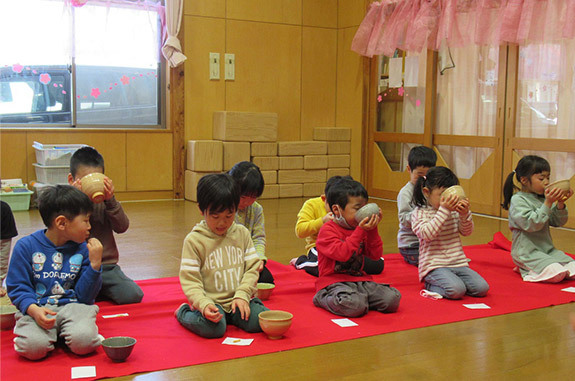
[530,345]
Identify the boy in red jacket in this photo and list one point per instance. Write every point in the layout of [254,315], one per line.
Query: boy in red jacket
[343,287]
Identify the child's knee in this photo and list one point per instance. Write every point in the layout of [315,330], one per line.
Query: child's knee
[479,290]
[392,297]
[134,295]
[33,347]
[128,292]
[82,342]
[214,331]
[348,305]
[456,291]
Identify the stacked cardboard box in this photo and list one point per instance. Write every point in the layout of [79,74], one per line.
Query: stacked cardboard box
[290,169]
[203,157]
[233,133]
[265,156]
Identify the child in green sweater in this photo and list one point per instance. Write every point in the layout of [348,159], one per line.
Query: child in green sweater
[219,267]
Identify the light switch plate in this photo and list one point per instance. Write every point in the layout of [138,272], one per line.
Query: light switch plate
[214,66]
[230,66]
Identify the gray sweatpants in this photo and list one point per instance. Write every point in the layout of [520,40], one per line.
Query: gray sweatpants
[75,323]
[354,299]
[117,287]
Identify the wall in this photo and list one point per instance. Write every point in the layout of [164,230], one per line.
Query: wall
[292,58]
[139,162]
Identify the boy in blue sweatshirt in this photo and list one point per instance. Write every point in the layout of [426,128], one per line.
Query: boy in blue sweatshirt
[54,277]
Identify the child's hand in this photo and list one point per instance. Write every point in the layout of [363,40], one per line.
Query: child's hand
[108,188]
[212,313]
[95,249]
[40,315]
[369,223]
[552,195]
[243,307]
[261,266]
[328,217]
[450,202]
[463,207]
[566,196]
[77,184]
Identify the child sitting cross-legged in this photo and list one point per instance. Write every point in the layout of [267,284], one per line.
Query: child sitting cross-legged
[54,277]
[219,267]
[343,287]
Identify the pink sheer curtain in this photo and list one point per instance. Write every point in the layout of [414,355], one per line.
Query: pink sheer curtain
[413,25]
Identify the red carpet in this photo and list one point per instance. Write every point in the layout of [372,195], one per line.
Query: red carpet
[163,343]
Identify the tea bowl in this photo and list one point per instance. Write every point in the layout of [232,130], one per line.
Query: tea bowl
[275,323]
[93,186]
[564,185]
[366,211]
[8,319]
[265,290]
[118,348]
[455,190]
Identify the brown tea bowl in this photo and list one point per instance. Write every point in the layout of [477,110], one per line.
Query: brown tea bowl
[455,190]
[265,290]
[275,323]
[93,186]
[8,319]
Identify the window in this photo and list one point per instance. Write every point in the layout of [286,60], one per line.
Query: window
[85,66]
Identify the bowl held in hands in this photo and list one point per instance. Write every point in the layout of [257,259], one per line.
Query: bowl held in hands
[8,319]
[456,190]
[275,323]
[265,290]
[118,348]
[366,211]
[564,185]
[93,186]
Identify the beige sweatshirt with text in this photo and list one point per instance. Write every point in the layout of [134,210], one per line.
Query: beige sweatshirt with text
[217,269]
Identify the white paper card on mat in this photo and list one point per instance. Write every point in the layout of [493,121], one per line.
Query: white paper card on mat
[395,72]
[344,322]
[236,341]
[83,371]
[477,306]
[114,316]
[569,289]
[411,71]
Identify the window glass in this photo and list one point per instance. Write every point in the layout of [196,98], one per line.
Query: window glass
[116,59]
[98,64]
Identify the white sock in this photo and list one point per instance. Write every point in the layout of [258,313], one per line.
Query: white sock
[430,294]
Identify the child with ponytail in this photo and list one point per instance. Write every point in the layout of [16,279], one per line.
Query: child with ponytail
[438,220]
[533,207]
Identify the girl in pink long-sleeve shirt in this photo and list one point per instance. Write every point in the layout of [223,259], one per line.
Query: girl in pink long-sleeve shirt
[438,220]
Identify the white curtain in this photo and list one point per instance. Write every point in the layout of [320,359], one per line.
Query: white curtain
[546,100]
[172,49]
[467,103]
